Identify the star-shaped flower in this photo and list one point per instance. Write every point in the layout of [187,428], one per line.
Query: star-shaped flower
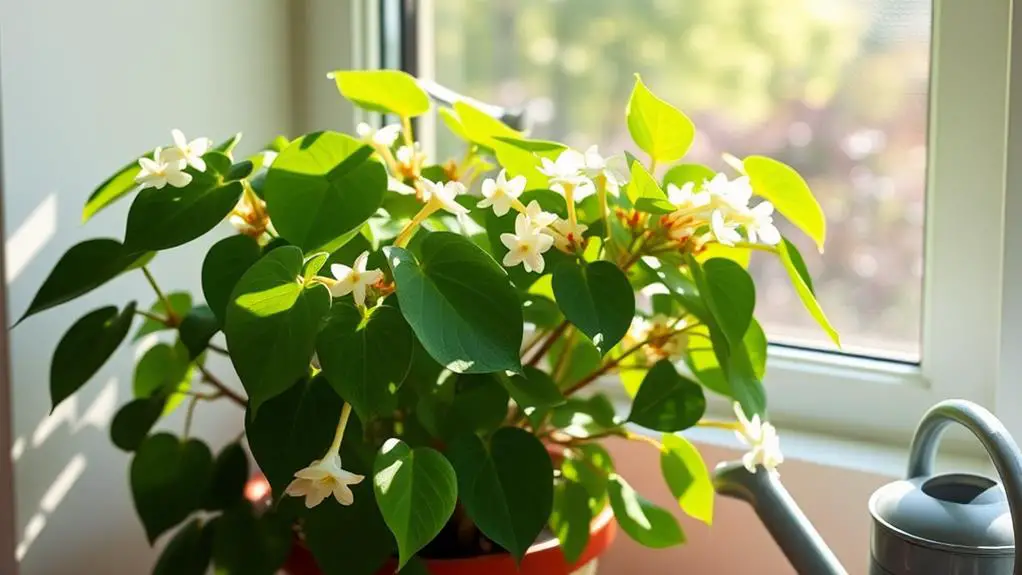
[501,193]
[526,245]
[163,168]
[762,440]
[322,478]
[190,152]
[355,279]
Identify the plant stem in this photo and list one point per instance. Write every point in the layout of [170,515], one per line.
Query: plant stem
[217,348]
[562,360]
[406,124]
[652,166]
[601,194]
[212,380]
[645,439]
[188,415]
[543,349]
[569,197]
[729,425]
[172,319]
[341,424]
[406,234]
[151,316]
[614,362]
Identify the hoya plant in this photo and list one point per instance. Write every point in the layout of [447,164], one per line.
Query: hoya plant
[432,354]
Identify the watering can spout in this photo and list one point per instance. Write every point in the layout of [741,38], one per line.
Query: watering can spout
[789,527]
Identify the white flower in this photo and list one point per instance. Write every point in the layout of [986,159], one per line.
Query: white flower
[735,194]
[409,156]
[190,152]
[762,440]
[164,168]
[568,236]
[760,225]
[686,198]
[396,185]
[443,196]
[567,169]
[526,245]
[614,169]
[355,279]
[385,136]
[501,192]
[538,217]
[321,478]
[725,231]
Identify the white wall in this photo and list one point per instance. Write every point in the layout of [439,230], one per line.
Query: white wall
[85,86]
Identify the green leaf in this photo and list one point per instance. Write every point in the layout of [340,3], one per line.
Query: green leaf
[732,371]
[640,519]
[366,361]
[83,268]
[682,174]
[645,193]
[197,328]
[247,544]
[666,400]
[804,290]
[295,429]
[384,91]
[661,130]
[416,490]
[168,480]
[132,422]
[590,465]
[113,188]
[571,518]
[188,553]
[755,342]
[583,418]
[180,302]
[731,296]
[240,171]
[541,311]
[687,477]
[481,128]
[271,324]
[521,157]
[322,187]
[227,146]
[789,193]
[506,486]
[496,226]
[86,346]
[534,388]
[313,264]
[350,540]
[460,304]
[230,473]
[224,264]
[164,372]
[453,123]
[597,299]
[462,403]
[798,263]
[170,217]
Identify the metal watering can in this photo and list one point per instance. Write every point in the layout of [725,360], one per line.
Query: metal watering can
[946,524]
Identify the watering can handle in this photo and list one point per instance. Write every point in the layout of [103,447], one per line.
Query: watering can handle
[1000,446]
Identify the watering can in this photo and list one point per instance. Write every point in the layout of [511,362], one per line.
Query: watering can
[944,524]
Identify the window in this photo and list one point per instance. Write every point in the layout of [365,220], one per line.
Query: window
[894,110]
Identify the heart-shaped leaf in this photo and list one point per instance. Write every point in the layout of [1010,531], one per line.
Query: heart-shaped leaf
[83,268]
[271,324]
[86,347]
[666,400]
[353,539]
[460,304]
[321,188]
[387,91]
[597,299]
[197,328]
[230,473]
[224,264]
[571,518]
[506,486]
[416,490]
[731,296]
[366,360]
[640,519]
[661,130]
[132,423]
[687,477]
[188,553]
[168,480]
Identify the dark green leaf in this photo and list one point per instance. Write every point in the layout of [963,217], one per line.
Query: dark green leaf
[188,553]
[506,487]
[227,146]
[239,171]
[113,188]
[81,269]
[667,401]
[230,473]
[533,389]
[541,311]
[686,475]
[460,404]
[321,187]
[295,429]
[247,544]
[795,266]
[197,328]
[585,417]
[387,91]
[349,540]
[133,422]
[271,324]
[86,347]
[730,294]
[583,358]
[224,264]
[180,302]
[416,490]
[366,361]
[643,521]
[163,371]
[460,304]
[597,298]
[168,480]
[571,518]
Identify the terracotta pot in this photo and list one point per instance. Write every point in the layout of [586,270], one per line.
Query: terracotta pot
[543,558]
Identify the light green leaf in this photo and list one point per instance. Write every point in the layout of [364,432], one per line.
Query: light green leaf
[164,372]
[180,302]
[596,298]
[223,266]
[731,296]
[687,477]
[661,130]
[168,480]
[534,388]
[741,375]
[640,519]
[453,123]
[86,346]
[197,328]
[755,342]
[416,490]
[590,465]
[188,553]
[322,188]
[83,268]
[313,264]
[249,544]
[132,422]
[667,401]
[804,290]
[384,91]
[645,193]
[571,518]
[798,263]
[481,128]
[460,304]
[230,473]
[366,361]
[789,193]
[271,324]
[506,486]
[681,174]
[113,188]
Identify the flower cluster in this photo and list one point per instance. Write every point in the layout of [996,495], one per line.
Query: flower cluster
[664,337]
[721,207]
[167,166]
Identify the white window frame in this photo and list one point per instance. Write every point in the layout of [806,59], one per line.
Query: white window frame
[964,343]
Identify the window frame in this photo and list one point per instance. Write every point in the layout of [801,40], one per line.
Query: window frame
[964,347]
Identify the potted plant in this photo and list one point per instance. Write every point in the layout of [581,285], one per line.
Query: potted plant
[422,345]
